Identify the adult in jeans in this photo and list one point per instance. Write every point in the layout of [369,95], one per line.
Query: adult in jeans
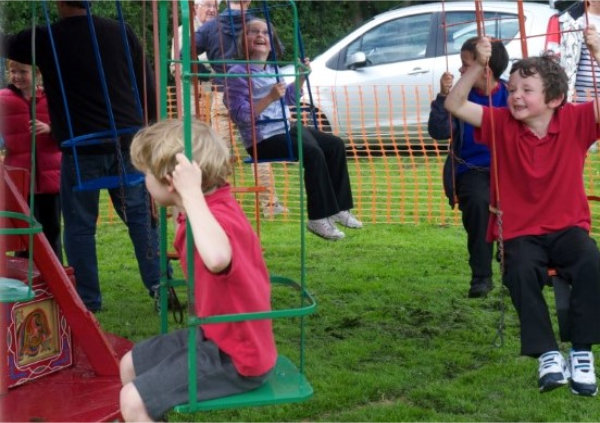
[218,39]
[87,108]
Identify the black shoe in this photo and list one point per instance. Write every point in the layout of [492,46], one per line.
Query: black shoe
[172,300]
[480,287]
[173,304]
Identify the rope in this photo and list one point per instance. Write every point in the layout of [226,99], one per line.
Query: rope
[593,65]
[278,79]
[307,79]
[496,209]
[454,158]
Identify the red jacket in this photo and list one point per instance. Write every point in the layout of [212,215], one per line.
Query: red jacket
[14,124]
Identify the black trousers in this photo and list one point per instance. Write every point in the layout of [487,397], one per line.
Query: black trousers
[577,260]
[46,210]
[473,190]
[326,176]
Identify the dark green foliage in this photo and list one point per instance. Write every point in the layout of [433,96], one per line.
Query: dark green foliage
[321,22]
[18,15]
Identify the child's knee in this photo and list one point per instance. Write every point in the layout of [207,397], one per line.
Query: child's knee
[126,370]
[131,404]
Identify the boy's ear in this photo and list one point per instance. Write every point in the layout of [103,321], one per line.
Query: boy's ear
[169,180]
[557,102]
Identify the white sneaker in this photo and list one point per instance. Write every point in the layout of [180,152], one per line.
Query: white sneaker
[347,219]
[583,374]
[273,209]
[552,371]
[324,228]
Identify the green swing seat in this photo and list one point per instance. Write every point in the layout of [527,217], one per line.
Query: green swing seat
[285,385]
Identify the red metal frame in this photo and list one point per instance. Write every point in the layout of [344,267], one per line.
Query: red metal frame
[88,390]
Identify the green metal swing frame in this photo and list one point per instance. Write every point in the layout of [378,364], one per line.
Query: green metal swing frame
[287,382]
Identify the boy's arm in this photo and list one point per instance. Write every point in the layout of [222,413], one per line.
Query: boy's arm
[592,39]
[456,102]
[438,124]
[210,239]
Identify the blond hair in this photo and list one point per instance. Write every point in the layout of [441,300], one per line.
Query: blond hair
[154,148]
[9,62]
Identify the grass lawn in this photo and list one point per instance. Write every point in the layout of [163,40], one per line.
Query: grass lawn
[394,337]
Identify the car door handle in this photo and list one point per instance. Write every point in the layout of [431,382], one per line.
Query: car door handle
[417,71]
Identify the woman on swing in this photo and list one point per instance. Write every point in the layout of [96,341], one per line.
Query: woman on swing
[328,192]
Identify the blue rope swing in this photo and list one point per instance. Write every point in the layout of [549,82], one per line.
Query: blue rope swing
[290,157]
[110,135]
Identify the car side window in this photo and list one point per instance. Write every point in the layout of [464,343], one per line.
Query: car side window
[460,26]
[394,41]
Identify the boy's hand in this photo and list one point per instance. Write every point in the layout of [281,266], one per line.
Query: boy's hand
[187,178]
[592,39]
[446,82]
[484,51]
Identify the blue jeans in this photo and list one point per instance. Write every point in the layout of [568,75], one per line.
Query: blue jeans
[80,214]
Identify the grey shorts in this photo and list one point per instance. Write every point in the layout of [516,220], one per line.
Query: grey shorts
[160,365]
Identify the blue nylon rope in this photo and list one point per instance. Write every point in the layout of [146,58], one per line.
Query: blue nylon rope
[308,89]
[112,131]
[58,72]
[277,78]
[111,117]
[132,77]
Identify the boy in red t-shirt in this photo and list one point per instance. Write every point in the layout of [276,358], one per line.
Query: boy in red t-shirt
[230,276]
[540,145]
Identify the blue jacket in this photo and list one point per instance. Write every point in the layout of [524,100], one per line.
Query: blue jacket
[218,38]
[463,148]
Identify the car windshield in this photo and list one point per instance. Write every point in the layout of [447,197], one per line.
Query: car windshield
[460,26]
[396,40]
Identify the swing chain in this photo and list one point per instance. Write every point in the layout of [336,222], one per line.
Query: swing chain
[499,339]
[460,161]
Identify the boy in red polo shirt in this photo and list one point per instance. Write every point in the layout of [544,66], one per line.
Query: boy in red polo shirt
[230,277]
[540,145]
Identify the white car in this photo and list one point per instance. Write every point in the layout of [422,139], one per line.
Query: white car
[377,83]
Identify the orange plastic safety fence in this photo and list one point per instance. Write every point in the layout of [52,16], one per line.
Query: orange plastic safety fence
[395,167]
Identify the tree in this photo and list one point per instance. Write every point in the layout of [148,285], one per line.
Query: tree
[321,22]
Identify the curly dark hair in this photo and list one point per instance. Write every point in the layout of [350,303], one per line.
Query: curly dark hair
[499,59]
[553,76]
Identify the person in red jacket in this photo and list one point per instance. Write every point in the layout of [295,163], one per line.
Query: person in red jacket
[17,124]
